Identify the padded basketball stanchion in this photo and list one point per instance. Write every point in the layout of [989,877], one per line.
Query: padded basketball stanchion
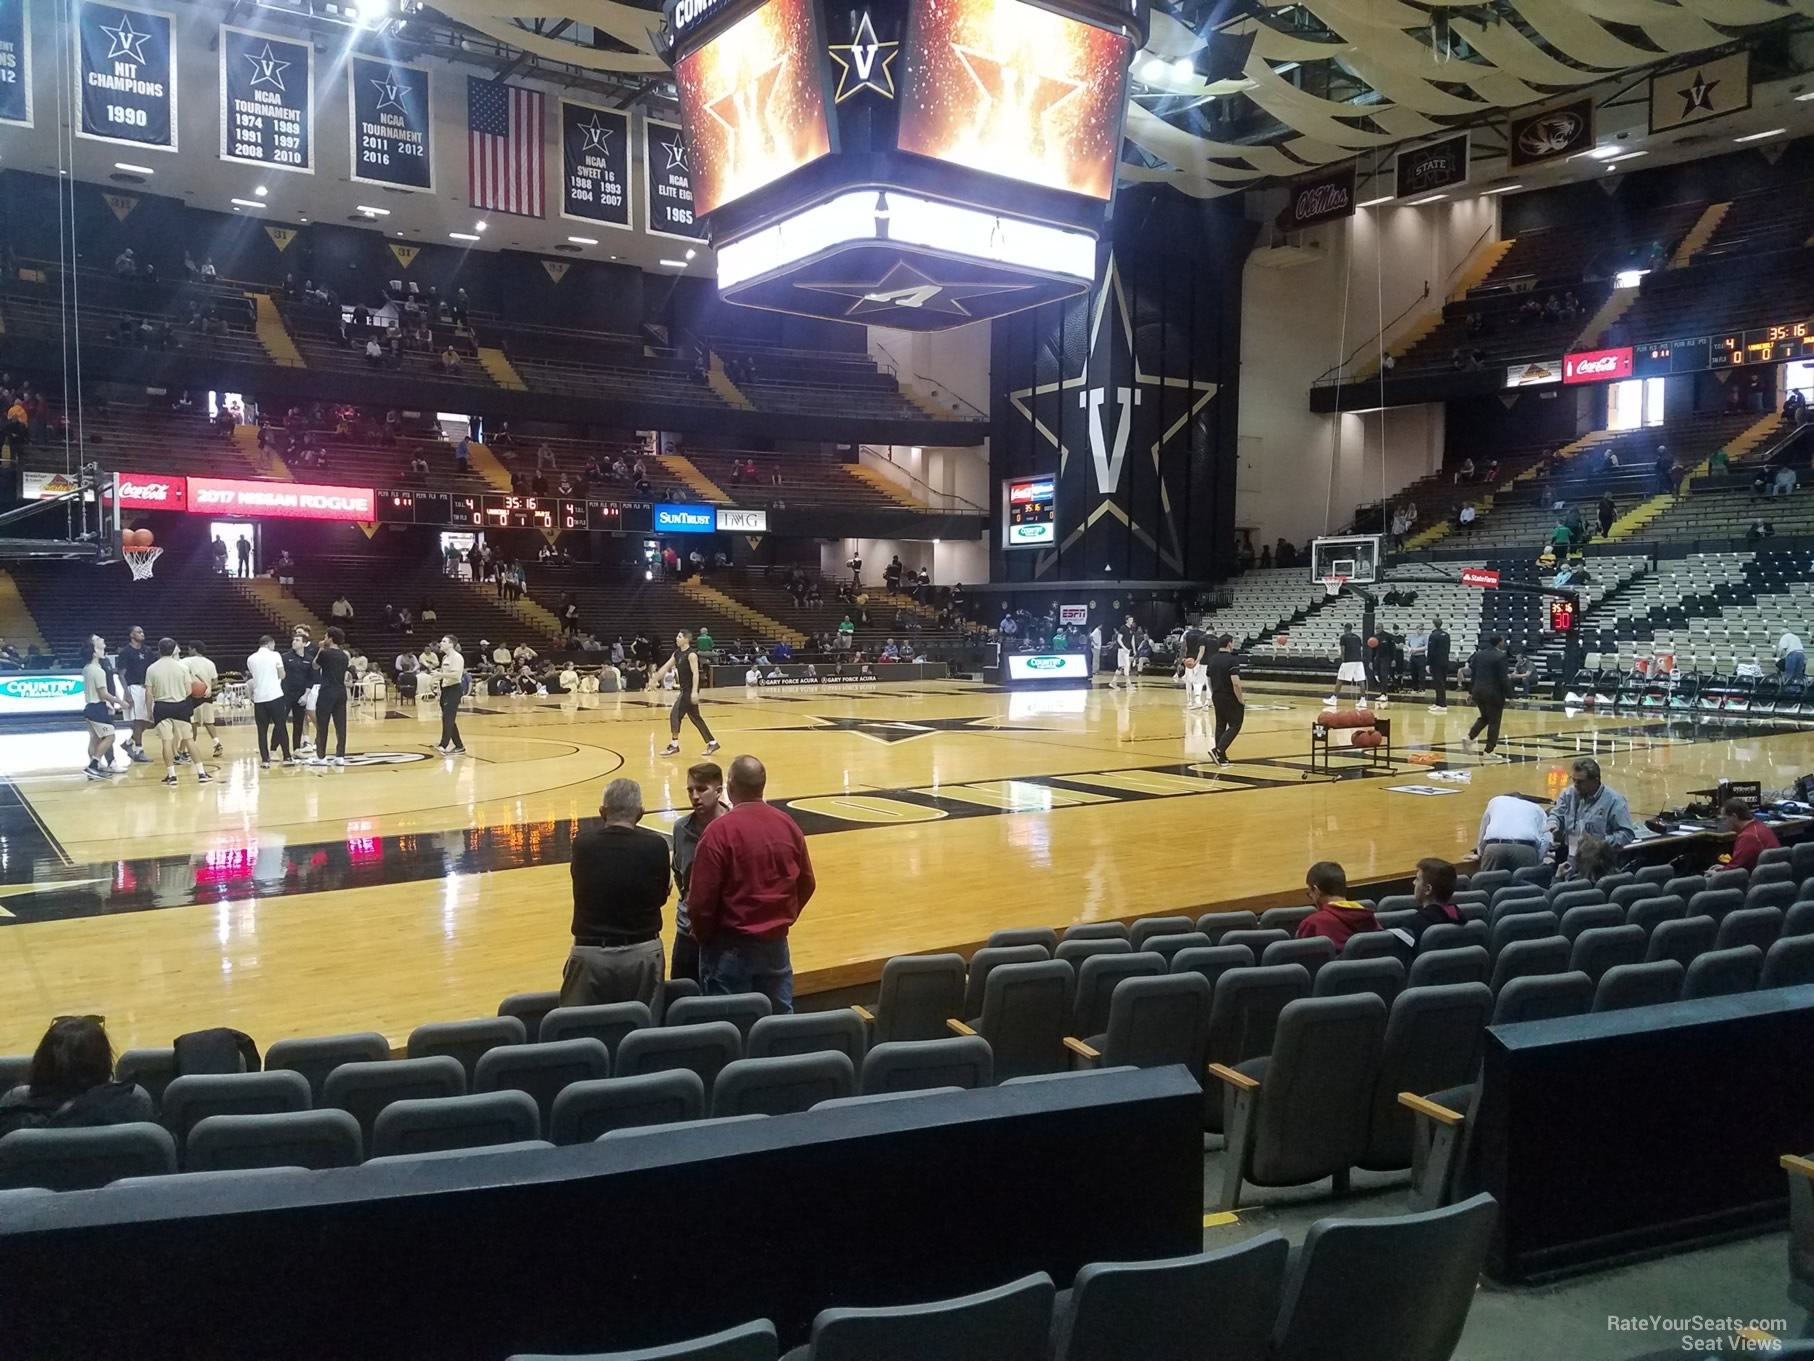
[1371,737]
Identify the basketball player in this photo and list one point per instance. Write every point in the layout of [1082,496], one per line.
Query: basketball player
[451,673]
[168,686]
[98,703]
[684,666]
[331,663]
[298,677]
[1225,693]
[1491,684]
[1437,654]
[270,711]
[1353,670]
[135,660]
[1126,637]
[1196,678]
[203,670]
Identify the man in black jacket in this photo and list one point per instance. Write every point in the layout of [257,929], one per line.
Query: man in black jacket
[1436,654]
[1491,684]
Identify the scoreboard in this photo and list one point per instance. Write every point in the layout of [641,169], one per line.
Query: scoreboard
[1028,518]
[1561,615]
[1776,344]
[1670,356]
[505,511]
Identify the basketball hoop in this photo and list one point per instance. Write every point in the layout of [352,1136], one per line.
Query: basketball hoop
[1333,585]
[141,561]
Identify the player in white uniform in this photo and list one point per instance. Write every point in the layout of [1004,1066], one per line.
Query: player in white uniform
[1196,675]
[1126,639]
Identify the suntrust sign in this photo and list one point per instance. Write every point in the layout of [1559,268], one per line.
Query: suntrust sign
[1597,366]
[280,500]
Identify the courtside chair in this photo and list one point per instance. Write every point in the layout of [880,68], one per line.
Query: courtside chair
[455,1122]
[1026,1014]
[751,1342]
[1010,1323]
[1563,903]
[1384,978]
[1096,982]
[1215,925]
[1145,928]
[1218,1306]
[320,1055]
[741,1009]
[1045,937]
[14,1069]
[585,1110]
[530,1008]
[1597,950]
[189,1100]
[365,1089]
[963,1061]
[1300,1114]
[1445,936]
[918,993]
[1789,963]
[1413,1312]
[1168,946]
[1432,1043]
[1623,897]
[1255,940]
[1524,927]
[1523,958]
[1096,931]
[607,1023]
[1284,918]
[1721,973]
[1686,886]
[81,1159]
[1798,921]
[1781,896]
[1579,919]
[1543,997]
[1312,952]
[1384,944]
[465,1040]
[1153,1022]
[703,1049]
[152,1069]
[1681,940]
[1441,968]
[985,961]
[1638,985]
[1244,1015]
[781,1086]
[810,1032]
[1649,913]
[542,1070]
[1074,952]
[307,1139]
[1759,926]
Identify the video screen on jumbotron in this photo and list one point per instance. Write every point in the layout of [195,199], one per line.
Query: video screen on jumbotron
[753,101]
[1004,87]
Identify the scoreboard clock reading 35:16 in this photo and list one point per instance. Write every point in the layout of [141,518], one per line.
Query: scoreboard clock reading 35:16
[1028,519]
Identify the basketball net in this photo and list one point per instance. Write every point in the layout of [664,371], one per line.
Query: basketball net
[1333,585]
[141,561]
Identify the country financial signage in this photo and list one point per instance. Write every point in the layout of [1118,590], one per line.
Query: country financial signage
[1328,198]
[267,100]
[390,127]
[671,519]
[1049,666]
[595,165]
[57,693]
[125,70]
[1597,366]
[280,500]
[15,62]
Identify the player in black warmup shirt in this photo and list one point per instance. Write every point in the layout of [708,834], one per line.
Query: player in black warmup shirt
[685,666]
[1491,684]
[1353,670]
[331,663]
[1224,668]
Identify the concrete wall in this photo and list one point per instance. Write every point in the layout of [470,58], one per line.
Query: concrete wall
[949,560]
[954,362]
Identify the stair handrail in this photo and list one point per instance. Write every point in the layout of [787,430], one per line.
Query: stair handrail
[895,366]
[939,499]
[1333,373]
[1794,433]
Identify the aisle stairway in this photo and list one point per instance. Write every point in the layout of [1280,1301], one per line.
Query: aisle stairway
[16,623]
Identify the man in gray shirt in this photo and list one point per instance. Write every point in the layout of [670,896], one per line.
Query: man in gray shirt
[705,790]
[1589,808]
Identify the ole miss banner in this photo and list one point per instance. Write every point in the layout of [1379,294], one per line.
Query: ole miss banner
[390,124]
[267,101]
[15,62]
[595,164]
[125,73]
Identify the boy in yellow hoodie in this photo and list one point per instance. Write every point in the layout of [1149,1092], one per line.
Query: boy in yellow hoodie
[1335,916]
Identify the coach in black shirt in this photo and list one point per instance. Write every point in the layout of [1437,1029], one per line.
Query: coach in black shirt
[1437,655]
[1224,667]
[1491,685]
[620,881]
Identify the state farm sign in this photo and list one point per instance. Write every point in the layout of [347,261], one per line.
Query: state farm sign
[1597,366]
[280,500]
[153,491]
[1479,576]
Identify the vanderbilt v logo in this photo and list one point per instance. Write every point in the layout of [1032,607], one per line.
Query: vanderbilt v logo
[1108,461]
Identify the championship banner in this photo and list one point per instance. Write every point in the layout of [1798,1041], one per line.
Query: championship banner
[1694,94]
[1426,169]
[1550,133]
[281,237]
[595,165]
[125,72]
[267,101]
[390,124]
[406,255]
[1327,198]
[557,269]
[668,181]
[15,62]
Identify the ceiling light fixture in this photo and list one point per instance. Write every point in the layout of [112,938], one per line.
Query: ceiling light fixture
[246,203]
[1760,136]
[583,240]
[478,226]
[1375,202]
[675,264]
[462,236]
[1427,198]
[261,191]
[1505,188]
[691,252]
[372,212]
[133,169]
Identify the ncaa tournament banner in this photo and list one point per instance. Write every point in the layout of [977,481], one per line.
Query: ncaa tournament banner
[390,124]
[668,181]
[1327,198]
[125,73]
[1550,133]
[1425,169]
[15,62]
[595,165]
[267,100]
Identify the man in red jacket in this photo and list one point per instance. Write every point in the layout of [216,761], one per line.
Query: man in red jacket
[1335,917]
[751,878]
[1750,837]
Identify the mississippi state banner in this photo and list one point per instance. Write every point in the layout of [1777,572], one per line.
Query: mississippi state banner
[125,73]
[267,100]
[595,165]
[390,124]
[15,62]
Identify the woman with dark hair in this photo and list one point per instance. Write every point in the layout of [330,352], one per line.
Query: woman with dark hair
[71,1083]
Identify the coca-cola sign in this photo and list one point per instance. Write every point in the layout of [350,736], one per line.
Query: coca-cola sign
[1597,366]
[1328,198]
[152,491]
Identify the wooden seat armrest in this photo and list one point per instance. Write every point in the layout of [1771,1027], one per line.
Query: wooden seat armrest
[1077,1046]
[865,1013]
[1232,1078]
[957,1027]
[1798,1167]
[1424,1106]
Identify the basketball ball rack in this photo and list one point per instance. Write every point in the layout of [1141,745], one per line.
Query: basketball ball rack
[1326,743]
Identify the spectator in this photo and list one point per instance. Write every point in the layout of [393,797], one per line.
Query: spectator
[705,791]
[620,882]
[1588,808]
[1335,917]
[544,458]
[1608,513]
[1790,657]
[208,272]
[1759,531]
[374,353]
[1720,463]
[1785,482]
[10,660]
[450,361]
[751,879]
[1465,473]
[1513,833]
[1434,890]
[1750,838]
[341,609]
[124,265]
[70,1083]
[218,549]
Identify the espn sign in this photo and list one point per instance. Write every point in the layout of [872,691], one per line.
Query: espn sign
[280,500]
[1479,576]
[1597,366]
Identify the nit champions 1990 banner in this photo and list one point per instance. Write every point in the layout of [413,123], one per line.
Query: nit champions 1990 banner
[126,73]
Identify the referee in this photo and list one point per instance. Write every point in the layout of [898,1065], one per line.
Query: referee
[1225,694]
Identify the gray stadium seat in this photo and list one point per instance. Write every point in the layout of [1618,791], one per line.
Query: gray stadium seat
[1649,913]
[152,1069]
[1569,899]
[319,1055]
[1025,1017]
[751,1342]
[1511,892]
[1522,908]
[1384,978]
[14,1069]
[431,1155]
[1627,894]
[607,1023]
[542,1070]
[741,1009]
[1799,920]
[310,1139]
[585,1110]
[1525,927]
[1720,973]
[1382,945]
[1168,946]
[1716,903]
[1284,918]
[1153,1022]
[1789,963]
[1597,950]
[1312,952]
[1096,982]
[811,1032]
[188,1100]
[81,1159]
[1145,928]
[530,1008]
[365,1089]
[1685,886]
[1579,919]
[704,1049]
[1638,985]
[1655,874]
[781,1086]
[1449,936]
[911,1065]
[1214,1305]
[1044,936]
[877,1098]
[1759,926]
[1432,1042]
[1256,940]
[1397,902]
[1211,963]
[919,994]
[1489,881]
[1775,855]
[1245,1011]
[1440,968]
[1606,883]
[1780,896]
[455,1122]
[1543,997]
[1010,1323]
[1542,875]
[1096,931]
[985,961]
[1300,1113]
[1074,952]
[1415,1312]
[1215,925]
[465,1040]
[670,992]
[1681,940]
[1524,958]
[1403,919]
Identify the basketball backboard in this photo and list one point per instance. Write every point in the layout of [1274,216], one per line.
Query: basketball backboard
[1353,557]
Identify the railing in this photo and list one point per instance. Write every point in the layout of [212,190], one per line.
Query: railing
[895,366]
[1338,373]
[948,502]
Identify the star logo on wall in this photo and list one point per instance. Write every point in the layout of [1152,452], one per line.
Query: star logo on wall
[864,64]
[1698,96]
[126,42]
[1003,83]
[889,731]
[598,137]
[677,156]
[267,69]
[904,286]
[1110,385]
[392,93]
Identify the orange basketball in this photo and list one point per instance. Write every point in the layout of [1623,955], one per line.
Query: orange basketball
[136,538]
[1372,642]
[198,688]
[1189,662]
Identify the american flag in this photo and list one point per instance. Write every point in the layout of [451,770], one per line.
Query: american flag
[504,154]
